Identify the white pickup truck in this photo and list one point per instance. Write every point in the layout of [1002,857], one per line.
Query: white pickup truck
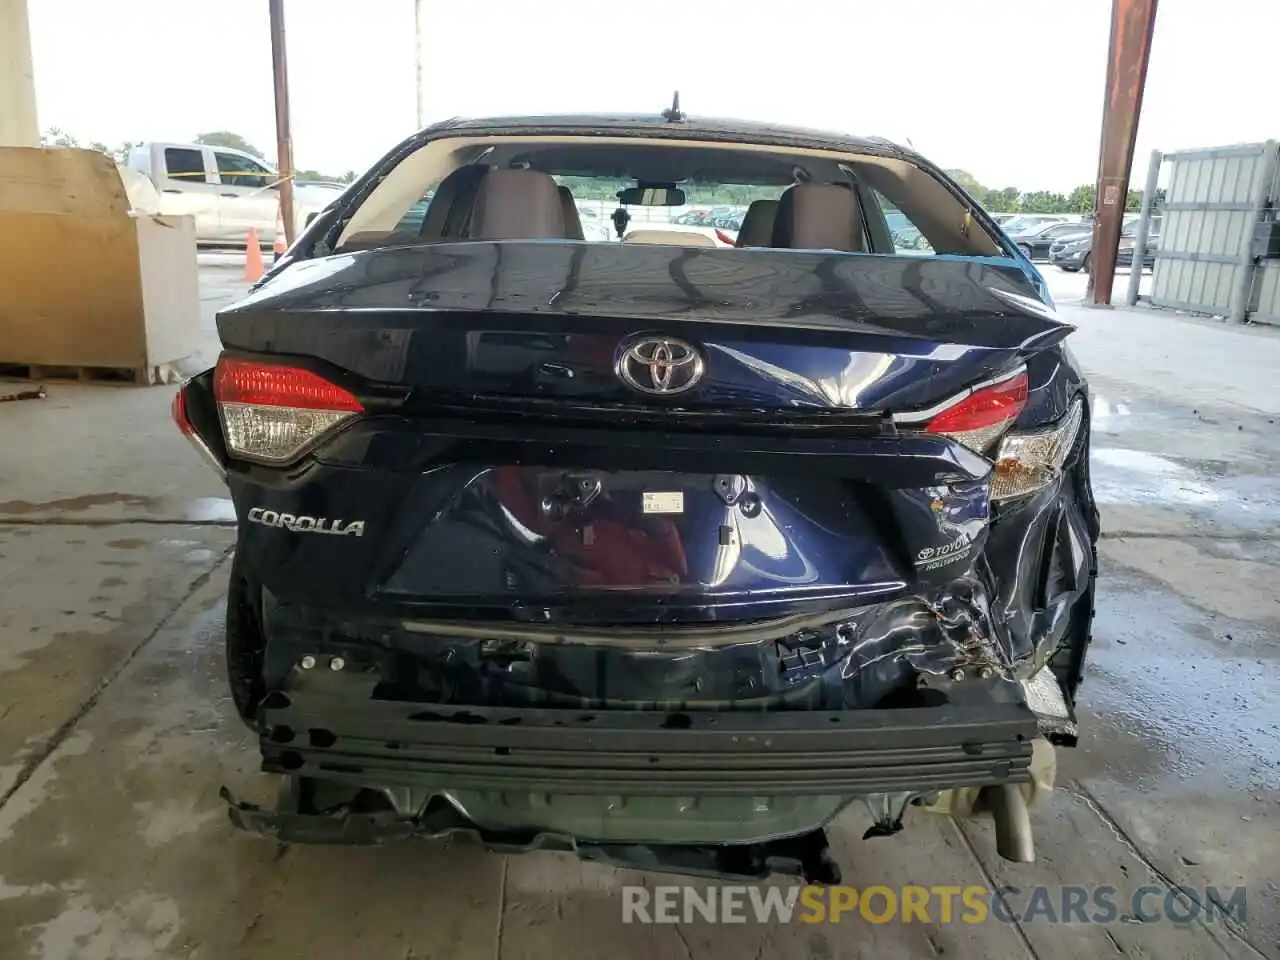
[227,191]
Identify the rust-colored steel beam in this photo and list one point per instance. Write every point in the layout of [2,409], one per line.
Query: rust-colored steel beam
[284,134]
[1132,25]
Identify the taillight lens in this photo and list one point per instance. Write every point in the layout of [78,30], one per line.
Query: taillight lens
[272,413]
[182,418]
[980,418]
[1027,462]
[179,411]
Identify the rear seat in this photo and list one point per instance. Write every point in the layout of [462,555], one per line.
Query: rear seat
[818,216]
[757,225]
[572,219]
[518,205]
[446,217]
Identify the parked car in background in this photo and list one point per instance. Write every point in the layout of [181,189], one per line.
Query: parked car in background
[228,192]
[653,551]
[595,227]
[723,218]
[1075,253]
[1035,242]
[411,221]
[730,220]
[336,186]
[1023,222]
[693,218]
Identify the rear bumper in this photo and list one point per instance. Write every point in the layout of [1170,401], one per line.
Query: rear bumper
[669,784]
[654,753]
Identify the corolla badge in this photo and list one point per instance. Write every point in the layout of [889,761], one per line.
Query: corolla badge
[659,366]
[295,523]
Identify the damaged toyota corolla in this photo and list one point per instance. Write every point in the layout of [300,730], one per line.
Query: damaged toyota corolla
[654,548]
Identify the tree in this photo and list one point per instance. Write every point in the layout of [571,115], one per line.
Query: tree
[225,138]
[1043,201]
[57,137]
[118,153]
[1133,202]
[970,184]
[1081,199]
[1004,200]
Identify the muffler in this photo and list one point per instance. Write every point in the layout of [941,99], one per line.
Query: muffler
[1008,803]
[1008,806]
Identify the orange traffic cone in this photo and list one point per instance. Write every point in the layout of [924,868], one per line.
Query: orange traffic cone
[279,246]
[253,267]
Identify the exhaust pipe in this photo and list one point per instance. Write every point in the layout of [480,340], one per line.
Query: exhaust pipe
[1008,808]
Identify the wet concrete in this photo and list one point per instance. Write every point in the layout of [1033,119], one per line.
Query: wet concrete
[1163,466]
[116,730]
[129,462]
[80,601]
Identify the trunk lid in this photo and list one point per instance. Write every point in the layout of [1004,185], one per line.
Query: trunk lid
[776,329]
[511,465]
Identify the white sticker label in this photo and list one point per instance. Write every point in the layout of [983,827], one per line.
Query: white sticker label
[664,502]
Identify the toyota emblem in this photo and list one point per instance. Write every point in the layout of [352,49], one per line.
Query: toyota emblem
[660,366]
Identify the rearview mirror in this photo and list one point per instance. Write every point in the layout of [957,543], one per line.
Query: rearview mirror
[651,195]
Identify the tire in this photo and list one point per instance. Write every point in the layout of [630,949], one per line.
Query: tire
[1068,269]
[1026,251]
[245,644]
[1085,263]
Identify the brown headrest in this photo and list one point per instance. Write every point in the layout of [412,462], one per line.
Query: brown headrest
[447,212]
[572,219]
[818,216]
[518,205]
[757,225]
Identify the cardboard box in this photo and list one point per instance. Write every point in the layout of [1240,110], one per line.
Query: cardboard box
[83,283]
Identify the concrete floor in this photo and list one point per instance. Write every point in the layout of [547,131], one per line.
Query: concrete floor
[116,731]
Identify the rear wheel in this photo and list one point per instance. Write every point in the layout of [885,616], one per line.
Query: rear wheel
[1067,269]
[244,641]
[1085,264]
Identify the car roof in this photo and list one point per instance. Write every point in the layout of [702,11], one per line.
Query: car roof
[656,126]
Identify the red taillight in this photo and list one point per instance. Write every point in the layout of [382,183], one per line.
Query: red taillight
[726,239]
[179,412]
[980,418]
[183,419]
[272,413]
[247,381]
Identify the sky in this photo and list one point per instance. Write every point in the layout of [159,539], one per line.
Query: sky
[1010,90]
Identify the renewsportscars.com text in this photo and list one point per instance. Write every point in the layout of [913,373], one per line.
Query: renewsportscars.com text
[1099,904]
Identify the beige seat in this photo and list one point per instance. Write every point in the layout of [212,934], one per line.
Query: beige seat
[757,225]
[572,219]
[674,238]
[518,205]
[819,216]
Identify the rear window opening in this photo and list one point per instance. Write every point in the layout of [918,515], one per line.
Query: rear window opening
[638,191]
